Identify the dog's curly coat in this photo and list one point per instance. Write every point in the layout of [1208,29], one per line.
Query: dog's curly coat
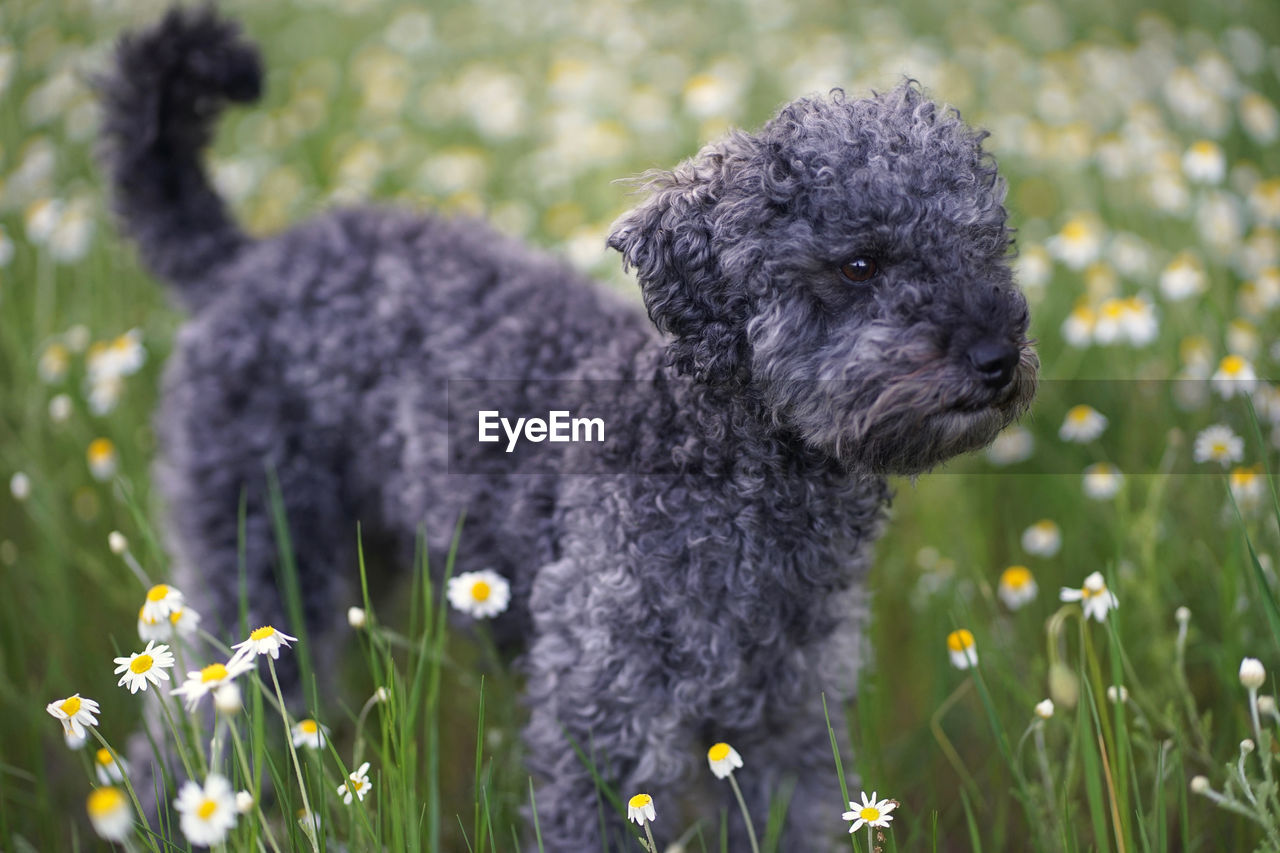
[718,597]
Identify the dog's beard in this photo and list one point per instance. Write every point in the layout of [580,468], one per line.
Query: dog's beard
[904,419]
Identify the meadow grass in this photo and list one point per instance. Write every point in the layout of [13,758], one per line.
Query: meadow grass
[1141,153]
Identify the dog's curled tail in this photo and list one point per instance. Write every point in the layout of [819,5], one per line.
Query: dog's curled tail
[160,100]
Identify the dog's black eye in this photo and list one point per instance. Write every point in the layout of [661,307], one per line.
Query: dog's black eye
[859,269]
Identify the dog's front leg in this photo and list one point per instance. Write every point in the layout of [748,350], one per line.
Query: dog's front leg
[600,717]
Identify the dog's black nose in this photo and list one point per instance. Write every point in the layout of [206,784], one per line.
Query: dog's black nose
[994,362]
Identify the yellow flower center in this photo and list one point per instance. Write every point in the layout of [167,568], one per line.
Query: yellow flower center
[101,449]
[869,814]
[1086,593]
[213,672]
[1218,448]
[639,801]
[70,706]
[1075,231]
[262,633]
[157,592]
[141,664]
[356,785]
[104,757]
[1244,477]
[1204,148]
[1232,364]
[1113,309]
[719,752]
[104,801]
[480,591]
[958,641]
[1016,577]
[1079,414]
[1046,527]
[207,808]
[175,616]
[309,726]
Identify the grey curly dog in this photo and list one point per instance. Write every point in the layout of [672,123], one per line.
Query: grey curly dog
[829,302]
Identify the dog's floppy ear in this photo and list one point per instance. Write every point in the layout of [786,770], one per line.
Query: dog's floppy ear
[669,241]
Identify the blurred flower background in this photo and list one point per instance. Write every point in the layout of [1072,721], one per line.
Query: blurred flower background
[1141,149]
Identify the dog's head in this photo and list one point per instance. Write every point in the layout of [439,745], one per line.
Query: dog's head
[850,263]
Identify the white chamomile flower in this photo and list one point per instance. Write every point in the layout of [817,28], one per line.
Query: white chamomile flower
[357,785]
[1139,323]
[148,665]
[308,733]
[74,712]
[213,676]
[1094,597]
[1033,268]
[960,646]
[60,408]
[1017,587]
[1078,328]
[1259,118]
[1234,376]
[1042,539]
[103,394]
[208,812]
[1117,694]
[1078,244]
[123,356]
[640,809]
[228,700]
[1044,709]
[20,486]
[107,768]
[182,621]
[1220,444]
[162,600]
[1204,163]
[356,617]
[723,759]
[263,641]
[1183,278]
[1082,424]
[244,802]
[1264,201]
[480,594]
[53,363]
[110,814]
[1102,481]
[1015,444]
[102,458]
[1252,673]
[869,812]
[1247,487]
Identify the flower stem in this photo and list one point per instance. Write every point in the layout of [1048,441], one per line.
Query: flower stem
[293,753]
[257,788]
[1253,714]
[364,713]
[653,845]
[746,815]
[124,777]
